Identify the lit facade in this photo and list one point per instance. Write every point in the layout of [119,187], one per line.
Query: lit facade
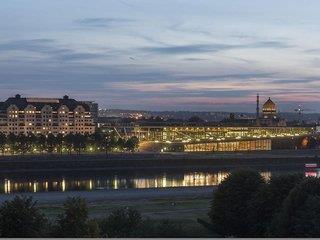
[229,146]
[206,133]
[269,109]
[214,139]
[269,115]
[44,116]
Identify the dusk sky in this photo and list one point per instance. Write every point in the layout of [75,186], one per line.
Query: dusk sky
[163,54]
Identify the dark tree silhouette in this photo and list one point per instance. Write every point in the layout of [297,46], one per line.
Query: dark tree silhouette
[121,223]
[3,141]
[20,218]
[74,222]
[288,223]
[268,202]
[229,208]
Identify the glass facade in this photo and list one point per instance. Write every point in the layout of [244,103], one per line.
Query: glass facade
[189,134]
[248,145]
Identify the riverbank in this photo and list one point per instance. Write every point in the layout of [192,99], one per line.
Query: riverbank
[119,195]
[187,161]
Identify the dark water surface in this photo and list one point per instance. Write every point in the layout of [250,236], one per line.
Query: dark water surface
[88,181]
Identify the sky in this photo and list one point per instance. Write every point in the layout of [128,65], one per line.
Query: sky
[204,55]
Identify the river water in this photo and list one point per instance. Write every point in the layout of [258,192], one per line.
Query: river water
[20,183]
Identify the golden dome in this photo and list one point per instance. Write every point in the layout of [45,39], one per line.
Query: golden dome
[269,105]
[269,109]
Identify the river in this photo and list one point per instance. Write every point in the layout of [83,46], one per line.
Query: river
[89,181]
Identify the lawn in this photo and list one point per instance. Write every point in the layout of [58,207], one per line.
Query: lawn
[183,211]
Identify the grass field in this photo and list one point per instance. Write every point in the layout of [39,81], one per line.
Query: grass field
[182,211]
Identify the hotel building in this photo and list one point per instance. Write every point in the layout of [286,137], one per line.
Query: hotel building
[45,115]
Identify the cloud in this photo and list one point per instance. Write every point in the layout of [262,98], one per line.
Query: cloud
[286,81]
[49,48]
[195,59]
[187,49]
[32,45]
[101,22]
[216,47]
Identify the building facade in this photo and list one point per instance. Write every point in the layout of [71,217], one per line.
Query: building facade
[94,109]
[215,139]
[45,115]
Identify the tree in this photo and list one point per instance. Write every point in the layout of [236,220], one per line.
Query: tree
[3,141]
[120,143]
[97,139]
[268,202]
[41,142]
[74,222]
[60,142]
[22,142]
[12,142]
[32,141]
[132,143]
[109,142]
[121,223]
[296,210]
[306,223]
[230,204]
[79,142]
[68,139]
[51,142]
[20,218]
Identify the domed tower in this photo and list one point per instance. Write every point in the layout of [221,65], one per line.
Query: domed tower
[269,109]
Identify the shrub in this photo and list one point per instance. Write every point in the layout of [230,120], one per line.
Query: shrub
[21,218]
[124,222]
[74,222]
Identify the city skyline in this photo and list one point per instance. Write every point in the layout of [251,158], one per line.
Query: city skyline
[163,55]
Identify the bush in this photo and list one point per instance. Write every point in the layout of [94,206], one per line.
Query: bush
[167,229]
[74,222]
[299,208]
[159,228]
[122,223]
[268,202]
[21,218]
[229,208]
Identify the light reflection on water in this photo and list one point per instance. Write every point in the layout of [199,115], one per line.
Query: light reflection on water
[118,182]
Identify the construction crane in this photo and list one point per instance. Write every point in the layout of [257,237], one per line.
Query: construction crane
[300,110]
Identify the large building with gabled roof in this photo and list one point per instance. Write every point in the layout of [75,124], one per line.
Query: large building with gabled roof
[45,115]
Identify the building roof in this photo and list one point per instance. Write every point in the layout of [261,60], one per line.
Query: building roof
[269,105]
[39,103]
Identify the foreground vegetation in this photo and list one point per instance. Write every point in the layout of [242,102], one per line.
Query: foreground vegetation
[22,218]
[71,143]
[243,205]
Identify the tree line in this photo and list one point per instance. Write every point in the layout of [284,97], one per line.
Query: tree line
[244,205]
[21,218]
[70,143]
